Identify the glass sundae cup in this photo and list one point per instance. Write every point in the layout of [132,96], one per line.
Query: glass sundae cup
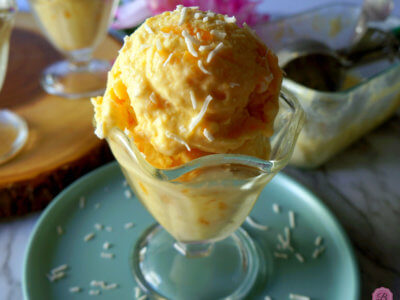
[198,250]
[75,28]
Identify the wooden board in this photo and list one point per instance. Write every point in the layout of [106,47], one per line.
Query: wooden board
[61,145]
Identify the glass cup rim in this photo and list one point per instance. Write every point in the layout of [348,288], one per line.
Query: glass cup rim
[263,165]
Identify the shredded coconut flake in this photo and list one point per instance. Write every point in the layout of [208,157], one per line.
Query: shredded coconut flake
[137,91]
[201,67]
[299,257]
[111,286]
[166,34]
[230,19]
[287,234]
[56,276]
[251,31]
[193,99]
[152,98]
[318,241]
[255,224]
[276,208]
[137,292]
[109,228]
[183,16]
[269,78]
[292,220]
[148,29]
[144,46]
[189,43]
[96,283]
[168,59]
[196,120]
[129,225]
[128,194]
[107,255]
[178,139]
[282,241]
[218,34]
[59,269]
[298,297]
[197,15]
[214,52]
[98,226]
[280,255]
[106,245]
[82,202]
[75,289]
[94,292]
[88,237]
[219,22]
[60,231]
[198,35]
[317,252]
[205,47]
[262,87]
[158,45]
[210,14]
[182,129]
[143,297]
[208,135]
[186,35]
[205,19]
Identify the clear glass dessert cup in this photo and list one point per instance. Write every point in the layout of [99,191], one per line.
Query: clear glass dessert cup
[75,28]
[13,129]
[199,250]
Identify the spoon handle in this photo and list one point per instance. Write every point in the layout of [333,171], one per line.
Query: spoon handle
[372,10]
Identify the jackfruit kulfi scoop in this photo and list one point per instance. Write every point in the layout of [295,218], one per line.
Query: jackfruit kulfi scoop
[189,83]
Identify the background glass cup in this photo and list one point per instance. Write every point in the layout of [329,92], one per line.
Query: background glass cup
[13,129]
[75,28]
[199,252]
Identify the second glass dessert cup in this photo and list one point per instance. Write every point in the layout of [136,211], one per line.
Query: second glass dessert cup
[13,129]
[75,28]
[198,251]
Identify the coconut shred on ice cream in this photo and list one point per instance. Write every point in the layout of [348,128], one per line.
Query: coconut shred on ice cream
[190,83]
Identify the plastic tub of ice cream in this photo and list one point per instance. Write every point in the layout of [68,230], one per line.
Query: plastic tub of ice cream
[336,119]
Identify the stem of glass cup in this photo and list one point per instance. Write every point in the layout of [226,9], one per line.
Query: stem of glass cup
[79,58]
[202,249]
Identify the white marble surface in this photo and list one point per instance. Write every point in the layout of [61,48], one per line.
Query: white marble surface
[14,236]
[361,186]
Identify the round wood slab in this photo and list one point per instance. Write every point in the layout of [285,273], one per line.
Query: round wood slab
[61,145]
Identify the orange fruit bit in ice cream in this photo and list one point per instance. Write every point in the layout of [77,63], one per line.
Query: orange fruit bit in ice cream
[204,221]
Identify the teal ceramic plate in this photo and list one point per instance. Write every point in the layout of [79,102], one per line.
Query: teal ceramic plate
[110,204]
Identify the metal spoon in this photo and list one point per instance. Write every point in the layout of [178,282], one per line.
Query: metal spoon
[372,10]
[325,70]
[316,65]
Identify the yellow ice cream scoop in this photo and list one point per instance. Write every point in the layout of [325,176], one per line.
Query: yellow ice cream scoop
[189,83]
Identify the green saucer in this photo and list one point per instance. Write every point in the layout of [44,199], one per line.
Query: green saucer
[59,239]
